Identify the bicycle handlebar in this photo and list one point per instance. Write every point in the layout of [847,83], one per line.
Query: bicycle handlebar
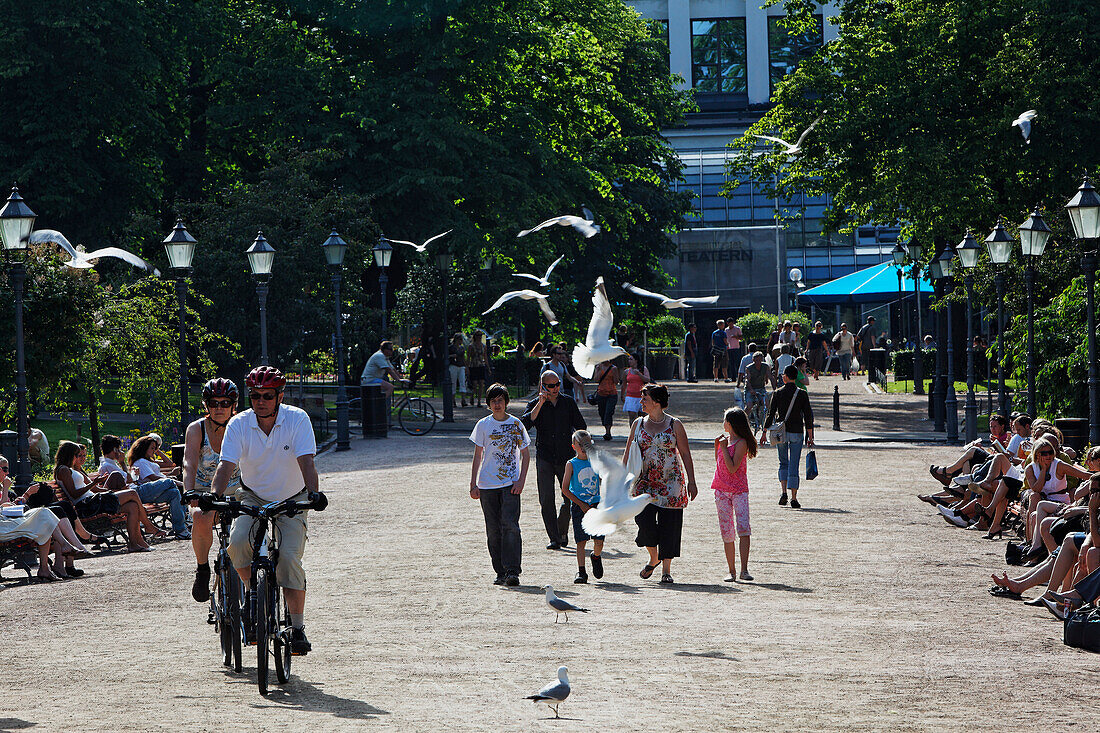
[317,502]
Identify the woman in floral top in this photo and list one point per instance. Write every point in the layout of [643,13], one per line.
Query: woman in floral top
[666,458]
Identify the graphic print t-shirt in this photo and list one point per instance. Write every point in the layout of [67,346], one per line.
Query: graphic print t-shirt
[501,442]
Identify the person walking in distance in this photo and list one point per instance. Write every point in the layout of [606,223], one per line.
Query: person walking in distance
[794,404]
[272,445]
[456,362]
[845,344]
[606,377]
[633,381]
[733,348]
[732,449]
[554,417]
[817,349]
[718,349]
[497,476]
[691,352]
[866,339]
[477,361]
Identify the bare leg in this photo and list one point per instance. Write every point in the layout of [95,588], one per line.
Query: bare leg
[744,542]
[295,600]
[1062,564]
[69,535]
[202,534]
[731,557]
[580,553]
[1038,575]
[133,526]
[44,560]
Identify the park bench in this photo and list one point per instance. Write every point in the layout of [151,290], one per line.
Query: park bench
[20,553]
[113,526]
[315,408]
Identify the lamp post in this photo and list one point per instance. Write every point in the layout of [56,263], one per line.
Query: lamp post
[16,224]
[443,262]
[335,248]
[1034,235]
[898,254]
[1084,214]
[261,256]
[946,262]
[180,247]
[969,249]
[999,245]
[382,254]
[914,250]
[939,414]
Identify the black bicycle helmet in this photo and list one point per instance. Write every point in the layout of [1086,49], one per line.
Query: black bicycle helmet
[219,388]
[266,377]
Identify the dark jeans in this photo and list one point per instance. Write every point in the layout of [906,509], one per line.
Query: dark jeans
[501,510]
[605,405]
[554,517]
[689,366]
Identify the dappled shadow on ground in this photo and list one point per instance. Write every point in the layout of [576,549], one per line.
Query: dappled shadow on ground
[824,510]
[707,655]
[783,586]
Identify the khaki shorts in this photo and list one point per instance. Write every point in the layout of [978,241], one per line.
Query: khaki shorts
[291,532]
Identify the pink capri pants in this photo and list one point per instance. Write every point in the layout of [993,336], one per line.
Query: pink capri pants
[733,515]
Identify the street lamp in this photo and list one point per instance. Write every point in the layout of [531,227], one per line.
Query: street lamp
[936,396]
[999,245]
[946,269]
[899,255]
[261,256]
[914,250]
[180,247]
[969,249]
[1034,235]
[1084,214]
[443,261]
[335,248]
[16,224]
[382,254]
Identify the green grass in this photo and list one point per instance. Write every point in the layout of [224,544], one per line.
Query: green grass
[58,430]
[905,386]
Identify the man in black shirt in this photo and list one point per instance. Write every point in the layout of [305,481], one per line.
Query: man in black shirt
[817,348]
[554,417]
[691,346]
[865,341]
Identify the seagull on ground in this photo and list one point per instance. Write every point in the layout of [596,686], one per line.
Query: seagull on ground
[419,247]
[1024,123]
[527,295]
[597,345]
[584,226]
[617,506]
[560,605]
[671,303]
[83,260]
[792,150]
[544,281]
[553,694]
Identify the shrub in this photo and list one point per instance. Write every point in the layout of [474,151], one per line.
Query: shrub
[901,361]
[666,330]
[756,327]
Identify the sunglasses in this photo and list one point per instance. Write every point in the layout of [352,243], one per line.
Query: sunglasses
[1046,452]
[551,385]
[220,403]
[265,396]
[4,469]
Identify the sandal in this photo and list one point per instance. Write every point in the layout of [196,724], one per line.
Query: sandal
[667,579]
[139,548]
[999,591]
[647,571]
[940,474]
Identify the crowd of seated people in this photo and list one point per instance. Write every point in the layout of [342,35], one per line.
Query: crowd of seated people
[126,487]
[1024,479]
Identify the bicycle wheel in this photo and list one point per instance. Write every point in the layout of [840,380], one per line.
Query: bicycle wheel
[219,603]
[417,416]
[261,595]
[282,644]
[232,612]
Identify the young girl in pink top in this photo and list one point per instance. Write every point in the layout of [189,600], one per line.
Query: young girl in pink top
[731,488]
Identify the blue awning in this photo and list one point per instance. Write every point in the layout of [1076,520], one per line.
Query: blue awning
[878,284]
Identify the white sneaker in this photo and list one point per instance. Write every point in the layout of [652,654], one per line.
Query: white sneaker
[952,516]
[964,479]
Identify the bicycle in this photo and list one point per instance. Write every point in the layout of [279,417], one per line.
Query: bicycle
[415,415]
[756,407]
[225,600]
[271,618]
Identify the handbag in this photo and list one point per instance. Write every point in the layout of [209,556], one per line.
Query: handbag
[594,397]
[1082,629]
[811,465]
[777,434]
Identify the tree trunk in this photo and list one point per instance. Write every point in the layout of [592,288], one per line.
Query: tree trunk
[93,421]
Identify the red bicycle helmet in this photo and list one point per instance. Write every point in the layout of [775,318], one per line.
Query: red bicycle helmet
[219,388]
[265,377]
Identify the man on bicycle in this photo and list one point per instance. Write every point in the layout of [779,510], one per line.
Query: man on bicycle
[273,445]
[378,366]
[757,376]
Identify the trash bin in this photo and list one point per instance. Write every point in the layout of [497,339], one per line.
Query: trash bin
[9,448]
[876,360]
[176,454]
[1075,431]
[375,412]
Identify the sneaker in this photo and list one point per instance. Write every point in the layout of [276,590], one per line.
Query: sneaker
[299,644]
[582,577]
[952,516]
[597,566]
[964,479]
[553,546]
[499,580]
[511,581]
[783,499]
[200,589]
[795,504]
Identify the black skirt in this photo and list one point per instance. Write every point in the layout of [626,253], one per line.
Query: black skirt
[105,503]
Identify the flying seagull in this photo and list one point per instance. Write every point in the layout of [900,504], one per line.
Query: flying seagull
[553,694]
[792,150]
[584,226]
[1024,123]
[597,345]
[668,302]
[560,605]
[83,260]
[617,506]
[544,281]
[419,247]
[527,295]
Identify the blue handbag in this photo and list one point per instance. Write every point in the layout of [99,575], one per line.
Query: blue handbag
[811,465]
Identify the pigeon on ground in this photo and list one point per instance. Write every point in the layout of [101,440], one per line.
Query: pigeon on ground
[419,247]
[527,295]
[668,302]
[560,605]
[84,260]
[597,346]
[544,281]
[796,149]
[553,694]
[1024,123]
[584,226]
[617,506]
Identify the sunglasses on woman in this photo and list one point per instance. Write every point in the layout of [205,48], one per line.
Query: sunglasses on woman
[220,403]
[1046,452]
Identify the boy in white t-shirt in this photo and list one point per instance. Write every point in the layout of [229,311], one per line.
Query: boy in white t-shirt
[497,476]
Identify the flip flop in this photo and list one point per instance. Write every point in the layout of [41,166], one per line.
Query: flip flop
[999,591]
[44,579]
[647,571]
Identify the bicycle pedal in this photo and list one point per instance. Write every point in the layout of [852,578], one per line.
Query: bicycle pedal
[210,619]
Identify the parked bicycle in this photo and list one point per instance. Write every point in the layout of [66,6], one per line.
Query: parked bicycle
[225,601]
[415,415]
[269,614]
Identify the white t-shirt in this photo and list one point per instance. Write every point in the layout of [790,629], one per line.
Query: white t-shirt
[145,470]
[1014,444]
[376,367]
[745,361]
[107,466]
[501,442]
[269,463]
[782,362]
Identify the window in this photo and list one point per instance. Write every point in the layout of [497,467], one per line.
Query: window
[786,49]
[718,56]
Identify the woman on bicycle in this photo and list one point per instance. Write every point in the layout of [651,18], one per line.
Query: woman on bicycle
[201,453]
